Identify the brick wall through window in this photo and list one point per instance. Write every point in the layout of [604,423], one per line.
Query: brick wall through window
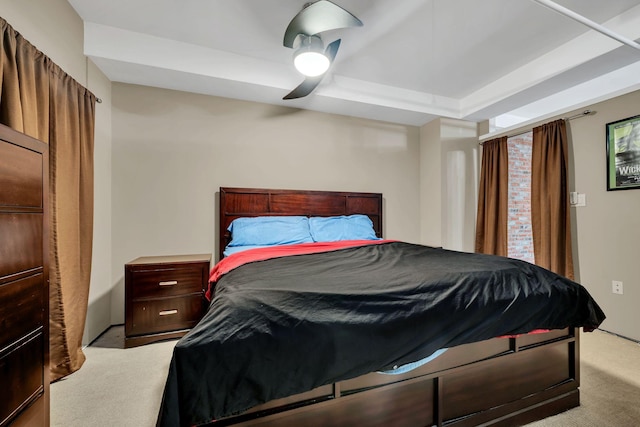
[520,238]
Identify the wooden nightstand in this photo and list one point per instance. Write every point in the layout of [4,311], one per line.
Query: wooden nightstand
[164,296]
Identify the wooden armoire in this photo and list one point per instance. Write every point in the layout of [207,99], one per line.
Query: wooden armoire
[24,280]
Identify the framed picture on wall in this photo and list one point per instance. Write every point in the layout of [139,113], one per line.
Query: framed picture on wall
[623,154]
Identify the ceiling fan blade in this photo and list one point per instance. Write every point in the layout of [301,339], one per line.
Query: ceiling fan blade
[305,88]
[318,17]
[332,50]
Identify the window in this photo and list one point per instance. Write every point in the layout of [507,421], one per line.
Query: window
[520,237]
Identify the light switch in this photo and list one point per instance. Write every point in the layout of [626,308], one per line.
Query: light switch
[577,199]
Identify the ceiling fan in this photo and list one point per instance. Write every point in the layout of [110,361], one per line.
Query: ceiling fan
[303,34]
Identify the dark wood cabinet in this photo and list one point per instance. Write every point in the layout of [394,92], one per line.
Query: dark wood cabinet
[164,296]
[24,280]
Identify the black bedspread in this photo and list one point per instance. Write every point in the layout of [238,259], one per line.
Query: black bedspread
[286,325]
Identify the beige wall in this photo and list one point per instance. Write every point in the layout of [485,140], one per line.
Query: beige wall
[173,150]
[608,227]
[460,169]
[431,184]
[448,183]
[55,29]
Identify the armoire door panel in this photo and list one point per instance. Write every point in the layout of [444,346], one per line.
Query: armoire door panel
[21,371]
[21,246]
[20,178]
[26,312]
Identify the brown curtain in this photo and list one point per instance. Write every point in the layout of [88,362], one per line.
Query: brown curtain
[493,198]
[550,218]
[39,99]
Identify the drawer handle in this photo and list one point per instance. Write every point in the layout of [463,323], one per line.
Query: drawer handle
[168,312]
[168,283]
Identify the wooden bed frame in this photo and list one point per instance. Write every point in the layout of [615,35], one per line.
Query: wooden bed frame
[501,382]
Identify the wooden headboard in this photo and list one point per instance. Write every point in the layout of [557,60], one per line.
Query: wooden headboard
[249,202]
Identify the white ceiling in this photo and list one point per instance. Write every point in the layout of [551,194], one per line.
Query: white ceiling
[412,61]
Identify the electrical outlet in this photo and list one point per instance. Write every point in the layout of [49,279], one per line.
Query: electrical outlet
[616,287]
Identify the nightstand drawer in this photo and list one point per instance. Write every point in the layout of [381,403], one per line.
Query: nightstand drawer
[166,314]
[166,282]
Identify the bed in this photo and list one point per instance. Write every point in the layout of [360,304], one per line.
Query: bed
[256,358]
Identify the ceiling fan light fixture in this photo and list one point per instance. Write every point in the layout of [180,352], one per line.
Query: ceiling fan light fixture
[311,64]
[310,59]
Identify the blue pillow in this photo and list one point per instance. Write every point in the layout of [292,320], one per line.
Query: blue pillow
[269,230]
[335,228]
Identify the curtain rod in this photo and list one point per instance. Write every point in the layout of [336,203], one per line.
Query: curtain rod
[575,116]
